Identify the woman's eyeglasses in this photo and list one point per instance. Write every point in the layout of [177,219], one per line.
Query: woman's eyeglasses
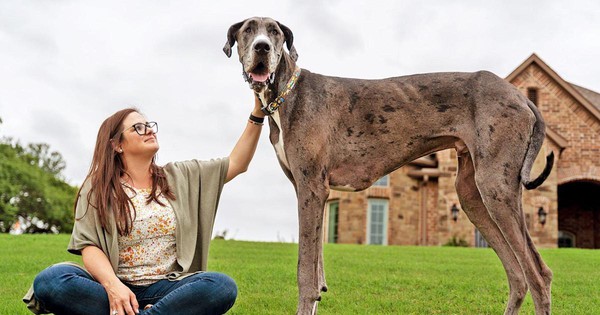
[142,128]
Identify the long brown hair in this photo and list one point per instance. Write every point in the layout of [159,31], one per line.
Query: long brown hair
[105,174]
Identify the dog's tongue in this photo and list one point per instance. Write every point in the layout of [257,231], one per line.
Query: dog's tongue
[259,77]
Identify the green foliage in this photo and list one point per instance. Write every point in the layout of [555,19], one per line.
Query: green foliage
[31,185]
[362,279]
[457,242]
[39,154]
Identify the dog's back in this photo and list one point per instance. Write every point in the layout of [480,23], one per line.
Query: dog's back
[400,118]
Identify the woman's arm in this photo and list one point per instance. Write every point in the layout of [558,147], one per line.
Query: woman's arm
[242,153]
[119,295]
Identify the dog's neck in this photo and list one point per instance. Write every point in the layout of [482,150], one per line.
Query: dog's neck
[285,70]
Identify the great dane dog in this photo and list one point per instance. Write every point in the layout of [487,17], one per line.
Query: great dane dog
[343,134]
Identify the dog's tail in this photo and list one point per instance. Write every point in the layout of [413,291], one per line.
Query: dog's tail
[535,144]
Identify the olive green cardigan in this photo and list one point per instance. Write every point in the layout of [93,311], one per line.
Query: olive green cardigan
[197,186]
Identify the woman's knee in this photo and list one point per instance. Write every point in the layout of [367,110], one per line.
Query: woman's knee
[45,282]
[230,287]
[224,289]
[50,280]
[66,289]
[225,281]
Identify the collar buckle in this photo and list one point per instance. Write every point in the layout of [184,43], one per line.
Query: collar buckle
[272,107]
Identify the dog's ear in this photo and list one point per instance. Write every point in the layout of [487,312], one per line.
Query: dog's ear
[289,40]
[231,34]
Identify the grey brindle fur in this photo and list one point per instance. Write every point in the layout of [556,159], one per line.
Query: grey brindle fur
[340,133]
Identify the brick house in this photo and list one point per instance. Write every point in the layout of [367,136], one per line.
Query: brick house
[417,204]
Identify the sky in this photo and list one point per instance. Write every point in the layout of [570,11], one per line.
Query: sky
[65,66]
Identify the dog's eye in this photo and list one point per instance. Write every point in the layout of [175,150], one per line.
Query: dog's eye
[274,32]
[248,30]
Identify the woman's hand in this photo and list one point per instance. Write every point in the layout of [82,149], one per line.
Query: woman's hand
[121,299]
[257,106]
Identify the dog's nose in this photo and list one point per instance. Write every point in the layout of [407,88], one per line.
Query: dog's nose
[262,48]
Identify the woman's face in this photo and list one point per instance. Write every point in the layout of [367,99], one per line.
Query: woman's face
[133,140]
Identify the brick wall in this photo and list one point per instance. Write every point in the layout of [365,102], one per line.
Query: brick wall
[566,116]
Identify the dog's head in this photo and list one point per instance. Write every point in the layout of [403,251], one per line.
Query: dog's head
[260,47]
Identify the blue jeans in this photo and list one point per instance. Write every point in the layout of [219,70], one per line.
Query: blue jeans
[64,289]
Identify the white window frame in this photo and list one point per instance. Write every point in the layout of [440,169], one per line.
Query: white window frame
[480,241]
[330,222]
[385,179]
[385,204]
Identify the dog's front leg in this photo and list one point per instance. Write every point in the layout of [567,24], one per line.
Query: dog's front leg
[322,282]
[311,203]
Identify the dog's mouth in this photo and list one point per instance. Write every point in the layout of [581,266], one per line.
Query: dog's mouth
[259,75]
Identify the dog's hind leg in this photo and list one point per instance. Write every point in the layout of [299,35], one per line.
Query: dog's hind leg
[498,181]
[473,206]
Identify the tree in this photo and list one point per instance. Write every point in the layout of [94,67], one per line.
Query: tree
[31,185]
[39,154]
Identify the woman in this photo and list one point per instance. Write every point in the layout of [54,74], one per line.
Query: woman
[143,230]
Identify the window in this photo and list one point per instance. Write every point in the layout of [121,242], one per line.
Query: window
[566,239]
[377,217]
[532,95]
[332,228]
[382,182]
[479,240]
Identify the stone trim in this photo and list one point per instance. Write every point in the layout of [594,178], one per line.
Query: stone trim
[560,141]
[576,178]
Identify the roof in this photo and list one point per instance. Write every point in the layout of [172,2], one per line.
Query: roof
[591,96]
[589,99]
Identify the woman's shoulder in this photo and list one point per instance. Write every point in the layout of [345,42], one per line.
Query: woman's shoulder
[194,164]
[85,187]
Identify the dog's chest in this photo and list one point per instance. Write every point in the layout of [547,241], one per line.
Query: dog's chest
[279,149]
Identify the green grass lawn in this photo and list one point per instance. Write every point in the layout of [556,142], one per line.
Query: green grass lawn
[361,279]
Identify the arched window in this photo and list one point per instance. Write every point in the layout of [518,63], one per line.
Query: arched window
[566,239]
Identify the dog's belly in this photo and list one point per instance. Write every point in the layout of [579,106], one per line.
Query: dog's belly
[344,188]
[357,172]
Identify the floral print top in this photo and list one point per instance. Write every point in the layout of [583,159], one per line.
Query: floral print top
[148,253]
